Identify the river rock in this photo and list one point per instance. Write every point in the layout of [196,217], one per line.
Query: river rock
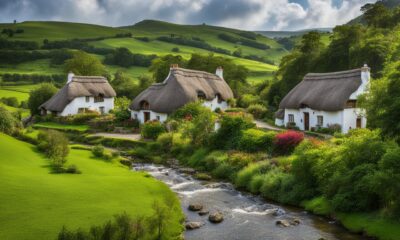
[283,223]
[187,170]
[195,207]
[278,212]
[193,225]
[216,217]
[295,221]
[204,212]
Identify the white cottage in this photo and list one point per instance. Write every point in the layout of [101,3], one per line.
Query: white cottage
[179,88]
[80,94]
[325,99]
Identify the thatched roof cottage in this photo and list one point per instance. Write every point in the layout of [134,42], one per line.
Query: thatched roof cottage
[323,100]
[80,94]
[179,88]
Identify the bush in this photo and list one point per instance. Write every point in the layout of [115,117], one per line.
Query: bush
[189,111]
[73,169]
[98,151]
[175,49]
[286,142]
[10,101]
[254,140]
[257,110]
[230,132]
[8,122]
[224,171]
[151,130]
[166,141]
[55,146]
[246,174]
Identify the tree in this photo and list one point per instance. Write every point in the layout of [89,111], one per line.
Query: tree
[40,95]
[121,108]
[85,64]
[160,67]
[377,15]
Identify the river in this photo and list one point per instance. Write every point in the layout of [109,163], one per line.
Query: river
[246,217]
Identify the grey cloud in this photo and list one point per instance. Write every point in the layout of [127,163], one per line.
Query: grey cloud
[254,14]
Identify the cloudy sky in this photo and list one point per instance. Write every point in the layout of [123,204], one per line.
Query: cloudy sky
[243,14]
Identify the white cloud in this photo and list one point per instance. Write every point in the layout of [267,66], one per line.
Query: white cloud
[244,14]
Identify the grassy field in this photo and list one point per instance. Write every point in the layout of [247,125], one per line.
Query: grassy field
[59,126]
[41,66]
[35,204]
[21,96]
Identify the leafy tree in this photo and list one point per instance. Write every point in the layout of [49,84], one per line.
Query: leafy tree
[85,64]
[40,95]
[201,128]
[377,15]
[121,108]
[160,67]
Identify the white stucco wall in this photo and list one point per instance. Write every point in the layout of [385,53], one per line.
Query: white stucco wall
[80,102]
[347,118]
[214,104]
[139,115]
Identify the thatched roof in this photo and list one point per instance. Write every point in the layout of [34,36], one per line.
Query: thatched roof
[280,114]
[323,91]
[80,86]
[180,87]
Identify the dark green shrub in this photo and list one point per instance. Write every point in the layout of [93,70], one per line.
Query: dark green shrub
[189,111]
[10,101]
[40,95]
[8,122]
[73,169]
[198,159]
[166,141]
[98,151]
[254,140]
[151,130]
[257,110]
[224,171]
[246,174]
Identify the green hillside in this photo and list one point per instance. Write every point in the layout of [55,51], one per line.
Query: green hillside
[105,37]
[36,203]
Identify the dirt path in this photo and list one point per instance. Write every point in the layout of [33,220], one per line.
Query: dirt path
[133,136]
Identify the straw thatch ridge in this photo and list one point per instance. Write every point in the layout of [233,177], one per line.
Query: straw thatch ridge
[181,87]
[323,91]
[80,86]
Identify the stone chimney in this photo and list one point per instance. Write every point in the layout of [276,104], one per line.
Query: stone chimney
[220,72]
[173,66]
[70,76]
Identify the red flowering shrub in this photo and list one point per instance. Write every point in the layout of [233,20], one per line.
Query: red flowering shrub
[286,142]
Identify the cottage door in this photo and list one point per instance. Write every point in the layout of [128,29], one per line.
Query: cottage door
[358,125]
[306,121]
[146,116]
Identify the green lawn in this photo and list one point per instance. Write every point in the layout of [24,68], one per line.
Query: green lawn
[21,96]
[35,204]
[59,126]
[41,66]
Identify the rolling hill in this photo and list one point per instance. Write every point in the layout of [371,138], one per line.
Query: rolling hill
[267,52]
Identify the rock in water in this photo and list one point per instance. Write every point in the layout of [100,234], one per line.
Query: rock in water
[216,217]
[295,221]
[195,207]
[283,223]
[203,212]
[193,225]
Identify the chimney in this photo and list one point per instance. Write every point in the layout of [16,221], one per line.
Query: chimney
[365,74]
[220,72]
[70,76]
[173,66]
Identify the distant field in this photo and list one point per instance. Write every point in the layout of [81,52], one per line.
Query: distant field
[41,66]
[35,203]
[38,31]
[21,96]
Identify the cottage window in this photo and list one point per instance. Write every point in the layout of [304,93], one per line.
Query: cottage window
[135,116]
[87,98]
[101,109]
[219,97]
[201,95]
[291,118]
[158,118]
[144,105]
[99,98]
[351,104]
[320,120]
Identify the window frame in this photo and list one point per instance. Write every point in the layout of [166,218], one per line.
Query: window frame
[87,98]
[291,118]
[320,120]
